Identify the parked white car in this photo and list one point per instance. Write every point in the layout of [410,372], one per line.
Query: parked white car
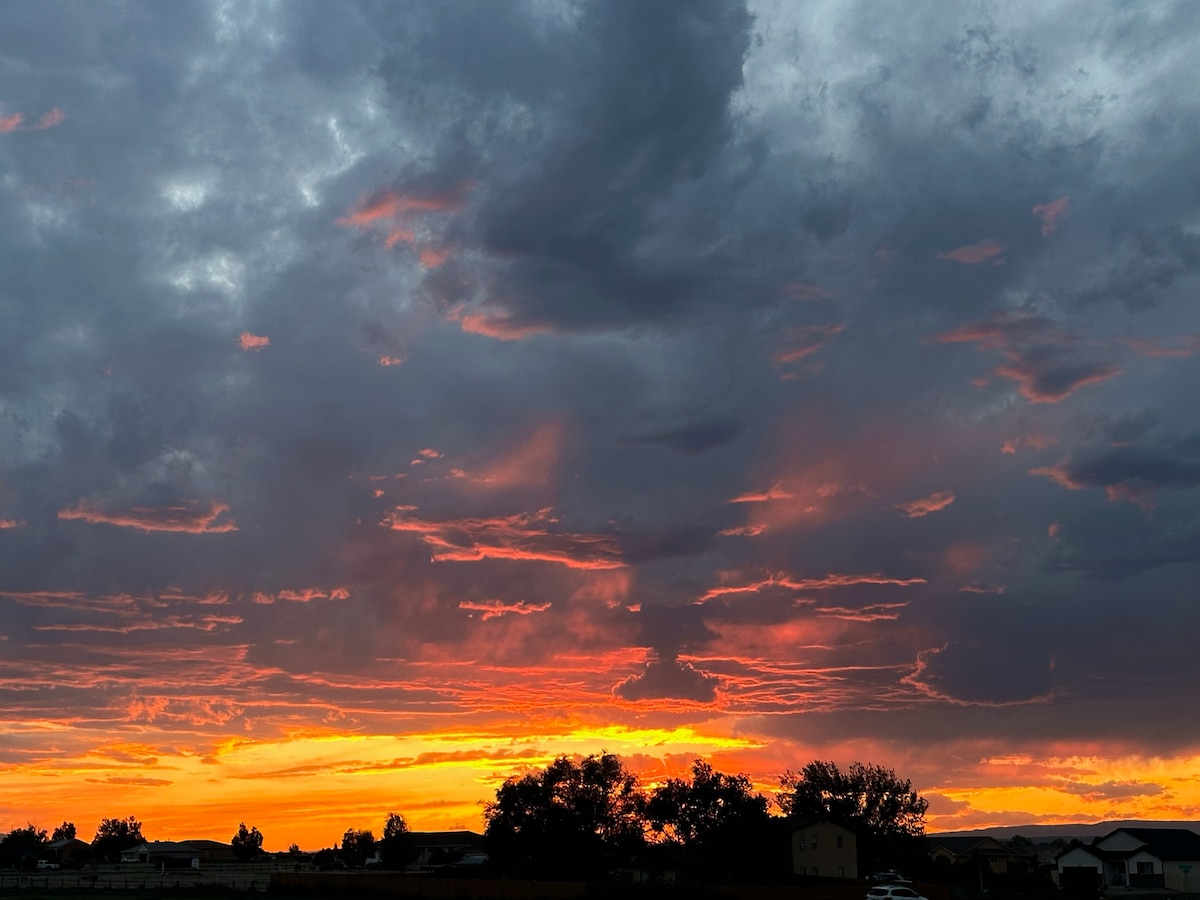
[893,892]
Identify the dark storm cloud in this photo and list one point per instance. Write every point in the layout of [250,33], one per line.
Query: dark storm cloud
[593,129]
[385,316]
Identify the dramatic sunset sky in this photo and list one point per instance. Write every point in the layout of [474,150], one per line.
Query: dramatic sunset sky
[394,396]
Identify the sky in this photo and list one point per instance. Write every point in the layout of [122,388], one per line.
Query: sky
[396,395]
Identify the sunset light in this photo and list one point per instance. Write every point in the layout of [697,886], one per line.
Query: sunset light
[397,398]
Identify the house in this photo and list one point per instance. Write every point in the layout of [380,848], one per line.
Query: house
[165,854]
[823,848]
[976,851]
[212,851]
[69,852]
[432,849]
[1134,857]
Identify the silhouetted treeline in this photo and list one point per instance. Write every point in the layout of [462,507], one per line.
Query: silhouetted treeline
[591,819]
[583,820]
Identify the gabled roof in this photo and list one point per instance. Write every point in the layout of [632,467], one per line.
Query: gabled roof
[805,821]
[960,844]
[445,839]
[1174,844]
[67,842]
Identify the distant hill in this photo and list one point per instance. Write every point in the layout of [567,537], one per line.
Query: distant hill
[1084,831]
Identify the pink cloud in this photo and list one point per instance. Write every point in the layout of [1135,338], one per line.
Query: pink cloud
[973,254]
[187,516]
[1052,214]
[803,342]
[6,524]
[775,492]
[50,119]
[924,506]
[431,258]
[502,326]
[523,536]
[248,341]
[1041,355]
[492,609]
[1177,348]
[827,582]
[16,122]
[530,463]
[388,361]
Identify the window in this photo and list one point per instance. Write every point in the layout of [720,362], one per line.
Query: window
[800,841]
[803,870]
[814,842]
[841,869]
[839,842]
[815,872]
[1145,867]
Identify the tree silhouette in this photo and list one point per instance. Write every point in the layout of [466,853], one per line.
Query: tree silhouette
[247,843]
[357,847]
[23,847]
[63,832]
[571,820]
[716,823]
[395,849]
[886,814]
[115,835]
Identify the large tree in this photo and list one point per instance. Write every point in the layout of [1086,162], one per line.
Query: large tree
[247,843]
[886,814]
[116,835]
[357,847]
[395,848]
[571,820]
[65,831]
[717,824]
[23,847]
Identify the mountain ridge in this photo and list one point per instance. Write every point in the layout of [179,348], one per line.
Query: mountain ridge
[1081,830]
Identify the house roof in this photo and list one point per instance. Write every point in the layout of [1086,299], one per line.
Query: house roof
[805,821]
[1175,844]
[162,847]
[67,842]
[445,839]
[960,844]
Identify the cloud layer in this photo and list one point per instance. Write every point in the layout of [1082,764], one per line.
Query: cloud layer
[425,389]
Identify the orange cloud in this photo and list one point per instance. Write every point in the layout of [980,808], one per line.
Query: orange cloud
[775,492]
[1036,441]
[400,235]
[16,122]
[531,463]
[492,609]
[248,341]
[1041,356]
[50,119]
[388,361]
[805,341]
[1052,214]
[827,582]
[502,326]
[389,204]
[432,258]
[926,505]
[6,524]
[187,516]
[518,537]
[973,254]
